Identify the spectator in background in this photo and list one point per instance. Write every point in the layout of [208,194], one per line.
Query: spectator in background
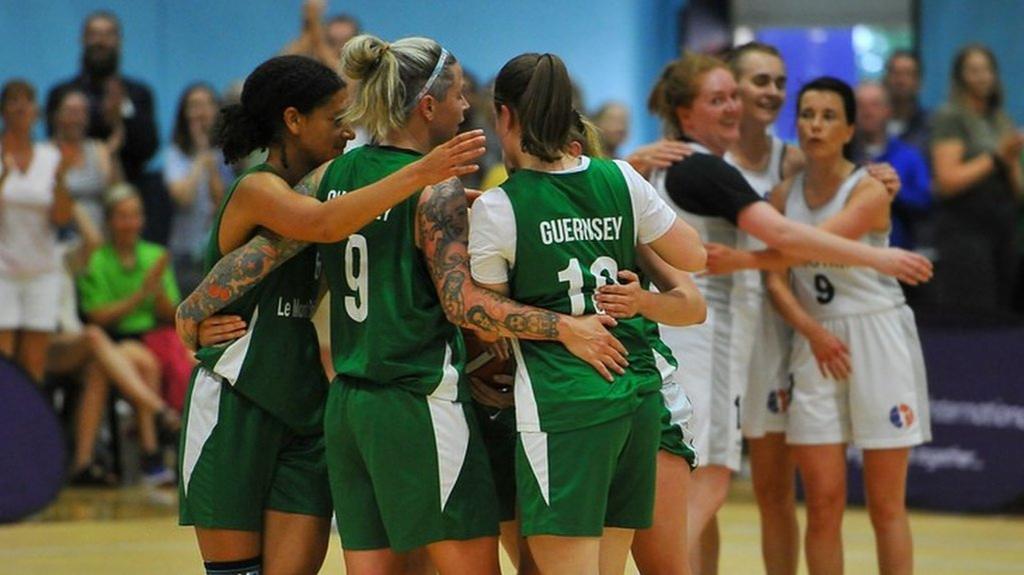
[909,121]
[612,121]
[479,116]
[128,288]
[975,156]
[119,107]
[33,203]
[92,165]
[195,175]
[86,353]
[319,40]
[911,209]
[339,30]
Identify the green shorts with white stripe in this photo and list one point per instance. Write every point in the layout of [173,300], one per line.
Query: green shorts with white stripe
[575,483]
[237,460]
[405,469]
[676,413]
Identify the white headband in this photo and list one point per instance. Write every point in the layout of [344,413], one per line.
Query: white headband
[433,78]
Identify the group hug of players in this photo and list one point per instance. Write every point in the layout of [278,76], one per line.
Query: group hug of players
[594,450]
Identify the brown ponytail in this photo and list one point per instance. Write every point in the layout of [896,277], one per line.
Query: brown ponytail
[536,87]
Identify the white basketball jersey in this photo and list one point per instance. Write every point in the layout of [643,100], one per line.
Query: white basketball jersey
[763,182]
[721,290]
[832,290]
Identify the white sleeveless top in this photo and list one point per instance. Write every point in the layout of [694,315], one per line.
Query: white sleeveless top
[723,291]
[831,290]
[28,240]
[763,182]
[87,183]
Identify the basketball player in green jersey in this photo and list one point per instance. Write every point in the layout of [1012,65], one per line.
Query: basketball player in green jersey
[662,547]
[253,472]
[399,289]
[407,361]
[558,228]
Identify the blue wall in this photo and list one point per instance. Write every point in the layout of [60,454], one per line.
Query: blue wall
[613,47]
[946,25]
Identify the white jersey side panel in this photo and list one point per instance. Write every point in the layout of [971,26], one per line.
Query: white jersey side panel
[832,290]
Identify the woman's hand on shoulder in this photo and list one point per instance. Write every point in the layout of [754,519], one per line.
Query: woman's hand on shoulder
[888,176]
[453,158]
[658,155]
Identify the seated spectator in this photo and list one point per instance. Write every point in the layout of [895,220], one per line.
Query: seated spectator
[128,288]
[92,165]
[196,177]
[975,155]
[86,353]
[612,121]
[911,209]
[33,203]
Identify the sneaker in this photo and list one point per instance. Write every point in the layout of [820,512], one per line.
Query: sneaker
[92,475]
[159,477]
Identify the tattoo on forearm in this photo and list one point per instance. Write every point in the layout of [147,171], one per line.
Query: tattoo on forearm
[236,273]
[443,226]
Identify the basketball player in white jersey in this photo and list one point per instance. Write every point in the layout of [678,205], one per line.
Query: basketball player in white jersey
[697,98]
[857,368]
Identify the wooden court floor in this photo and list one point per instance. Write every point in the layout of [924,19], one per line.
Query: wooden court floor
[134,531]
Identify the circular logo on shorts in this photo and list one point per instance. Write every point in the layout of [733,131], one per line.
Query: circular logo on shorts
[901,416]
[778,400]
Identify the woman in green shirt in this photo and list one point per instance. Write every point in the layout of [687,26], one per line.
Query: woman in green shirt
[128,289]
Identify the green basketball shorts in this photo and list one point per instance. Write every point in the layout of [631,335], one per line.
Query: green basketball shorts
[237,460]
[575,483]
[405,469]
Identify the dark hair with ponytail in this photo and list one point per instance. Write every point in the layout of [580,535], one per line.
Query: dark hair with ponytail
[536,87]
[275,85]
[845,93]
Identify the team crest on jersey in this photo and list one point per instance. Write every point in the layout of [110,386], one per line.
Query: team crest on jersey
[901,416]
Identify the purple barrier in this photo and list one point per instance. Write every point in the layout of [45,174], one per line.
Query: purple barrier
[975,461]
[31,446]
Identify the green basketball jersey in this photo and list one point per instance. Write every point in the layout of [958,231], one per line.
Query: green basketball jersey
[574,232]
[663,356]
[387,323]
[276,363]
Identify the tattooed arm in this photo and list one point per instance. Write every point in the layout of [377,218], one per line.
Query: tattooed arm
[265,200]
[234,275]
[442,233]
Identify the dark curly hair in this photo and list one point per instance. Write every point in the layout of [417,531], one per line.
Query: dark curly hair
[275,85]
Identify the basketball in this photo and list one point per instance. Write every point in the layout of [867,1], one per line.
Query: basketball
[483,364]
